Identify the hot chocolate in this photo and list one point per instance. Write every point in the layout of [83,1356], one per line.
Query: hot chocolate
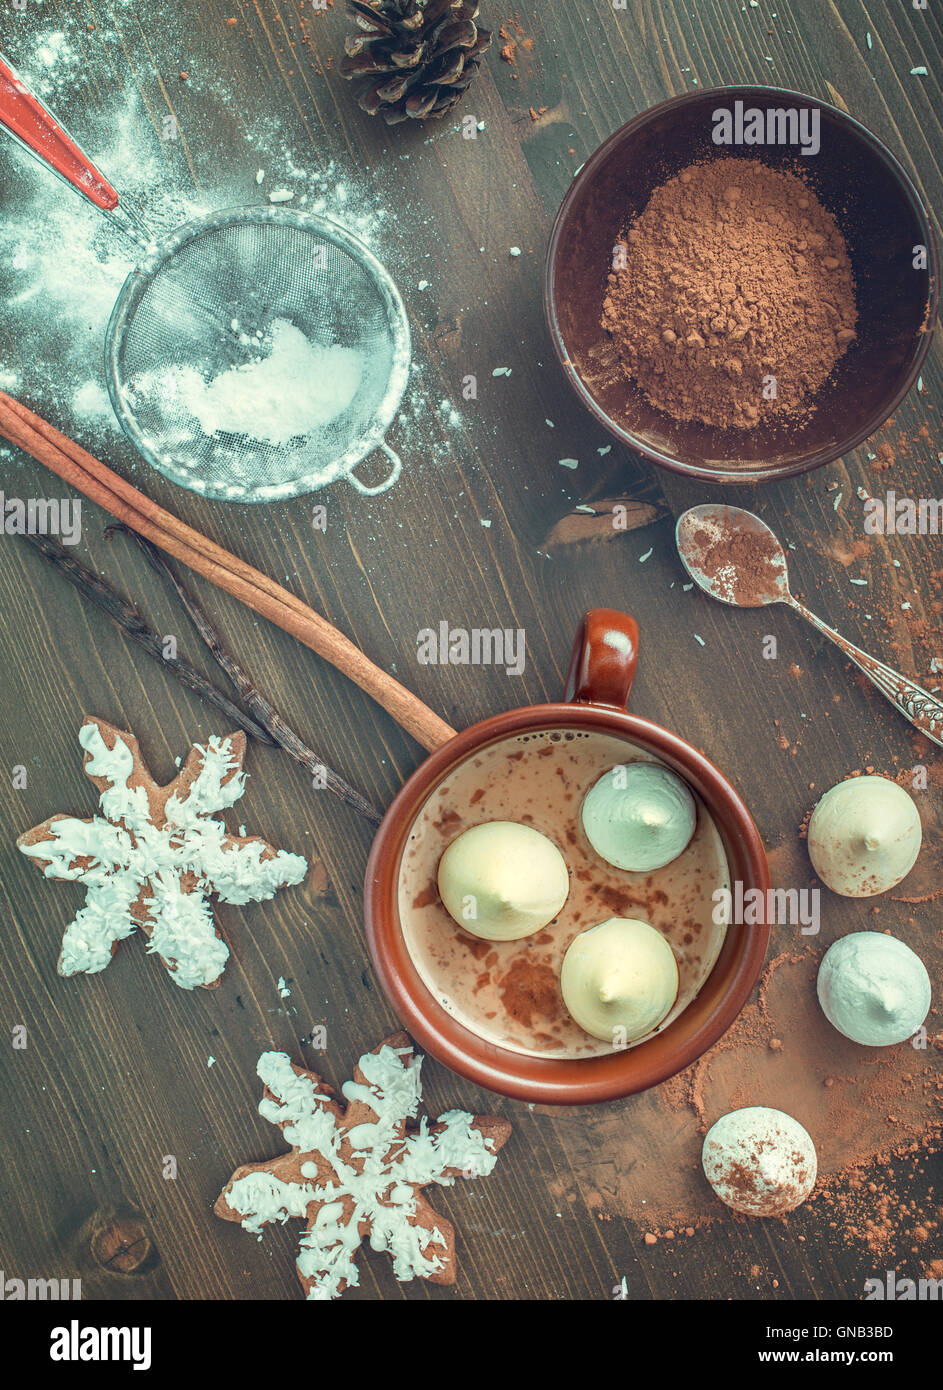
[509,991]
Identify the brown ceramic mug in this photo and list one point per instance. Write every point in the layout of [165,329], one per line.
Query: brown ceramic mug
[602,668]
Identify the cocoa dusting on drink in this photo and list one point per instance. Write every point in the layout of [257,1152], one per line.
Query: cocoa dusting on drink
[742,565]
[508,992]
[736,298]
[529,990]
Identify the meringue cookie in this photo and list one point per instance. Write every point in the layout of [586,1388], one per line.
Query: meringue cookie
[639,816]
[619,976]
[873,988]
[759,1161]
[502,880]
[864,836]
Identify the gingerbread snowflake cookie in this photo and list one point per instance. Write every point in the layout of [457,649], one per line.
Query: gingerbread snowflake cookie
[356,1172]
[155,854]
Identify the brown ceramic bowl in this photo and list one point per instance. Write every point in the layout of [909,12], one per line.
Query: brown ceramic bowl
[601,673]
[882,218]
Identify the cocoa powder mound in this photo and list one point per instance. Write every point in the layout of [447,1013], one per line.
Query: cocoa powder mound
[734,274]
[744,566]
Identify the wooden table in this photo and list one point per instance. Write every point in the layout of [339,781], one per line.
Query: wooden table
[116,1074]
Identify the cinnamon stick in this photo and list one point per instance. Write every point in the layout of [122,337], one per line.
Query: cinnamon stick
[81,470]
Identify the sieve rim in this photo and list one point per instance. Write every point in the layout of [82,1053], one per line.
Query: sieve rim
[142,275]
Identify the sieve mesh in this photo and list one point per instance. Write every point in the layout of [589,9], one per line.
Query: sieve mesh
[205,299]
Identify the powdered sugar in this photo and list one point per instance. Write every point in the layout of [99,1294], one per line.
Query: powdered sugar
[291,388]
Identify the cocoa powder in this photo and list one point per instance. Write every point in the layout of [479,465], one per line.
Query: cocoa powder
[736,298]
[744,566]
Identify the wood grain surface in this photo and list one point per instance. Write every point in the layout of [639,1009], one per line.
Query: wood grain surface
[116,1074]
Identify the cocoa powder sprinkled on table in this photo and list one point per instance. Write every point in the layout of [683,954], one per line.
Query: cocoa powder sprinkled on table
[734,274]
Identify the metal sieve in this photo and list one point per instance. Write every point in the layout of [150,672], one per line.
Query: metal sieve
[204,301]
[205,298]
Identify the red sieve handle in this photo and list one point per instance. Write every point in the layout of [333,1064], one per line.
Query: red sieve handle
[28,121]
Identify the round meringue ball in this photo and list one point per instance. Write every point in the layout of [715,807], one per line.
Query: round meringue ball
[864,836]
[502,880]
[759,1161]
[621,974]
[639,816]
[873,988]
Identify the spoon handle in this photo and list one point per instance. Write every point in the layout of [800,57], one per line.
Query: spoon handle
[923,710]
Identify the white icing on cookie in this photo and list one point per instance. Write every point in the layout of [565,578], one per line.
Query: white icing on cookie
[124,858]
[377,1169]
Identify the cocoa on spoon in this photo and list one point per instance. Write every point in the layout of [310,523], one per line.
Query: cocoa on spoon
[734,556]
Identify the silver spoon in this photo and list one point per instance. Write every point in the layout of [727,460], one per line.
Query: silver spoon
[746,567]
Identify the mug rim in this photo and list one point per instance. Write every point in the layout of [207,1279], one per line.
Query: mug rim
[566,1081]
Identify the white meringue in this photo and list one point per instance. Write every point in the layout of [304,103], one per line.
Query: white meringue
[619,979]
[502,880]
[864,836]
[759,1161]
[873,988]
[639,816]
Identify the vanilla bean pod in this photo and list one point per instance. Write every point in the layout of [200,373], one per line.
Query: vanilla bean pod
[266,714]
[129,621]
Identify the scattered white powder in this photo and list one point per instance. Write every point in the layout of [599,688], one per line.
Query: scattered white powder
[90,402]
[56,61]
[291,389]
[450,415]
[9,380]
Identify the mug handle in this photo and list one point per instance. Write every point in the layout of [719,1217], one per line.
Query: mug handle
[602,664]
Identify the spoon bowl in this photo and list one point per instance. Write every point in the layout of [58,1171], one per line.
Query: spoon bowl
[733,556]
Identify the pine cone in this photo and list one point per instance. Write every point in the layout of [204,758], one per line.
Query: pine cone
[416,57]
